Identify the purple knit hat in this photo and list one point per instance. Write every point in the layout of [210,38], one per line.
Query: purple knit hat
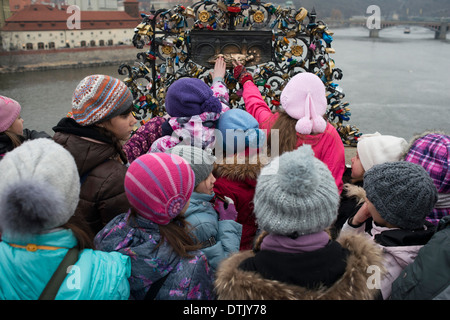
[9,111]
[159,185]
[188,97]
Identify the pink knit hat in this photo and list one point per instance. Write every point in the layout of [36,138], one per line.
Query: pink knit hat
[158,186]
[304,99]
[9,111]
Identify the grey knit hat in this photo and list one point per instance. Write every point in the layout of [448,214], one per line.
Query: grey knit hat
[402,192]
[201,161]
[301,197]
[39,187]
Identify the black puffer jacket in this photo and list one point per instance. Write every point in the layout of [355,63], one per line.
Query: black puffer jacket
[6,144]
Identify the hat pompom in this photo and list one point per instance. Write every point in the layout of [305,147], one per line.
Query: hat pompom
[211,104]
[318,125]
[304,126]
[30,207]
[254,138]
[296,173]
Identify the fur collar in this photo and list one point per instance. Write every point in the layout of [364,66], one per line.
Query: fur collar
[234,168]
[233,283]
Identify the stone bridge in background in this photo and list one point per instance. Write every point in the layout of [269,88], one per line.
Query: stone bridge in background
[440,28]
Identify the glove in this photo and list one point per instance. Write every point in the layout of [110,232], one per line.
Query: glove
[241,74]
[225,208]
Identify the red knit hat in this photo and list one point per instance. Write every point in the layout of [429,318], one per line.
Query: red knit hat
[9,111]
[159,185]
[98,98]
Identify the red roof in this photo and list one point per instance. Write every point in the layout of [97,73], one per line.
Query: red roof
[44,17]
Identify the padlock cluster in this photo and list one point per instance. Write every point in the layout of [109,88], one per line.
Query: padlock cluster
[300,43]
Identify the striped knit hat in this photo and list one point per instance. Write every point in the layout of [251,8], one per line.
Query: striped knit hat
[98,98]
[159,185]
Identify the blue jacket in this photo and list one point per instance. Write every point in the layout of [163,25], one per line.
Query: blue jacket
[225,234]
[96,275]
[188,279]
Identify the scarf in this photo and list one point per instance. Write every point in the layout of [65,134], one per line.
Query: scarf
[69,125]
[305,243]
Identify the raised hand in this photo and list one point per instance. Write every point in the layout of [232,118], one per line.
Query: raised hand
[220,67]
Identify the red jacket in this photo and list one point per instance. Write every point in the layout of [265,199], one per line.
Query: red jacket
[238,182]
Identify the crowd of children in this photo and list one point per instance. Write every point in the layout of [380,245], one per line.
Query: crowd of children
[217,203]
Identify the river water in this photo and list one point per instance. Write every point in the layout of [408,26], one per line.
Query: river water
[397,84]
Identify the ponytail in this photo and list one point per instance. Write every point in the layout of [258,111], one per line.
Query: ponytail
[177,234]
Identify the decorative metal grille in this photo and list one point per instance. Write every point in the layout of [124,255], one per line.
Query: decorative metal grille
[274,43]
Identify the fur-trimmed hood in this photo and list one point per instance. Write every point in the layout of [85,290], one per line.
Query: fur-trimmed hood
[235,168]
[233,283]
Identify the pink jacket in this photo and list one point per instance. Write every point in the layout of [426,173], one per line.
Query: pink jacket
[327,146]
[192,128]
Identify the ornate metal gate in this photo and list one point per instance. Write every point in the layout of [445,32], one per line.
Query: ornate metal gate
[274,43]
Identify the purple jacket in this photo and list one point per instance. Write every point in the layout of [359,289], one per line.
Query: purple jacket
[141,141]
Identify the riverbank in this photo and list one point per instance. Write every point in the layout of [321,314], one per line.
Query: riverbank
[38,60]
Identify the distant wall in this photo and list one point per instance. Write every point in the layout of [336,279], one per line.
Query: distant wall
[17,61]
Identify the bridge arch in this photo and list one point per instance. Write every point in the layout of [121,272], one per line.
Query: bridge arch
[440,28]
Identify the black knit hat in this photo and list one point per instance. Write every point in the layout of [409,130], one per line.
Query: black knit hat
[402,192]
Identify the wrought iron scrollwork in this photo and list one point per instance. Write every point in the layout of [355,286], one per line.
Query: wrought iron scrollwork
[276,43]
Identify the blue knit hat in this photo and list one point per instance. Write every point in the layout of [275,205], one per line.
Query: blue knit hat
[243,127]
[188,97]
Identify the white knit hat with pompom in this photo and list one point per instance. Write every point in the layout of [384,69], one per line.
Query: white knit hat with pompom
[39,188]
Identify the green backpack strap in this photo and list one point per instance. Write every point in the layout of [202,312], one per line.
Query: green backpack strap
[53,285]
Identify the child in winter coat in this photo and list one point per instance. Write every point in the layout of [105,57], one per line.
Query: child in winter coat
[39,192]
[371,149]
[217,232]
[431,150]
[296,199]
[300,121]
[194,108]
[101,120]
[12,133]
[165,261]
[427,278]
[143,138]
[241,160]
[399,195]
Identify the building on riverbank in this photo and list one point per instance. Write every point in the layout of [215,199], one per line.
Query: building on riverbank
[47,27]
